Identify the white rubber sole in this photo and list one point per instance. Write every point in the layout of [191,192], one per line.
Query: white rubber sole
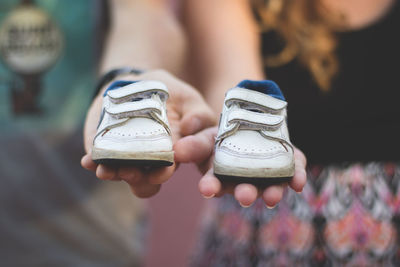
[259,173]
[163,158]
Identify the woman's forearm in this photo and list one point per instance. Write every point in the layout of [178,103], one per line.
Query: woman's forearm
[144,34]
[224,46]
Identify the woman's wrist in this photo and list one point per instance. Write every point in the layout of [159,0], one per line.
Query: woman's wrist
[116,74]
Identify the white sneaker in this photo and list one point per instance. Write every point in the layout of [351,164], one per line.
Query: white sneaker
[253,141]
[133,128]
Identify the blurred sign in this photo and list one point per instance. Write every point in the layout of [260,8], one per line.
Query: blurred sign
[30,43]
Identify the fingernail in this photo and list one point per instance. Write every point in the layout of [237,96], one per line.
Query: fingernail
[244,206]
[210,196]
[269,207]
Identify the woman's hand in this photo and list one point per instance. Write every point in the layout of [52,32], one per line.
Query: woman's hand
[199,148]
[187,114]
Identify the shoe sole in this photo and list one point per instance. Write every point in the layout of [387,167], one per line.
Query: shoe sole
[258,177]
[118,158]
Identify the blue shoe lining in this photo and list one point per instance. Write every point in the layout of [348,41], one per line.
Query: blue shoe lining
[265,86]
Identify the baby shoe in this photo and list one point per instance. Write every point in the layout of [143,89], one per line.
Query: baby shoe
[252,144]
[133,127]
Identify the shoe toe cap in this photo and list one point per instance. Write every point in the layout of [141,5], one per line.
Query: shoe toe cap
[139,134]
[252,150]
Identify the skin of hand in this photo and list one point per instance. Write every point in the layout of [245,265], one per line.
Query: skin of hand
[199,148]
[187,114]
[216,70]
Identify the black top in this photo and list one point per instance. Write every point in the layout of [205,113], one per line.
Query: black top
[358,119]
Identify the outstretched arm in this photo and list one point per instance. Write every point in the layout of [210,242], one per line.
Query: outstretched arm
[224,42]
[139,31]
[224,46]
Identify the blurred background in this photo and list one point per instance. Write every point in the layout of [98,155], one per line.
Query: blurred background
[342,88]
[53,212]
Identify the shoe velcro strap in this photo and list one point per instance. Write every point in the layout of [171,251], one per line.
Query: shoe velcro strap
[237,95]
[137,90]
[134,109]
[253,119]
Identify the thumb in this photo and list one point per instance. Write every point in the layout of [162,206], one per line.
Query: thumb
[196,114]
[196,120]
[196,148]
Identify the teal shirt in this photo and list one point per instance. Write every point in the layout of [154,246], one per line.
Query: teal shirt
[52,211]
[67,87]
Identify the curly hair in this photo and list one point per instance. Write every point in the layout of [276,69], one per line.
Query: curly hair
[307,29]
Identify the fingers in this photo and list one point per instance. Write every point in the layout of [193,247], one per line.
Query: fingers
[272,195]
[195,148]
[209,185]
[160,175]
[196,119]
[245,194]
[300,176]
[130,175]
[146,183]
[104,172]
[133,175]
[143,182]
[88,163]
[145,190]
[196,114]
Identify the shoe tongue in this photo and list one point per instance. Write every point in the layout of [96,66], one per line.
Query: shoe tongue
[265,86]
[118,84]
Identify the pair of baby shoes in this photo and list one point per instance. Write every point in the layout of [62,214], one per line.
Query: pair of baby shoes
[252,144]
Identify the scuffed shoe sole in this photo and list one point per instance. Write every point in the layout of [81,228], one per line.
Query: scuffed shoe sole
[118,158]
[258,177]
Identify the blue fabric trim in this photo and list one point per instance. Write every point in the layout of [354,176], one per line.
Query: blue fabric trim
[265,86]
[118,84]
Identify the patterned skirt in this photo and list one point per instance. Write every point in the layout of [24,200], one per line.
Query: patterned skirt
[345,216]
